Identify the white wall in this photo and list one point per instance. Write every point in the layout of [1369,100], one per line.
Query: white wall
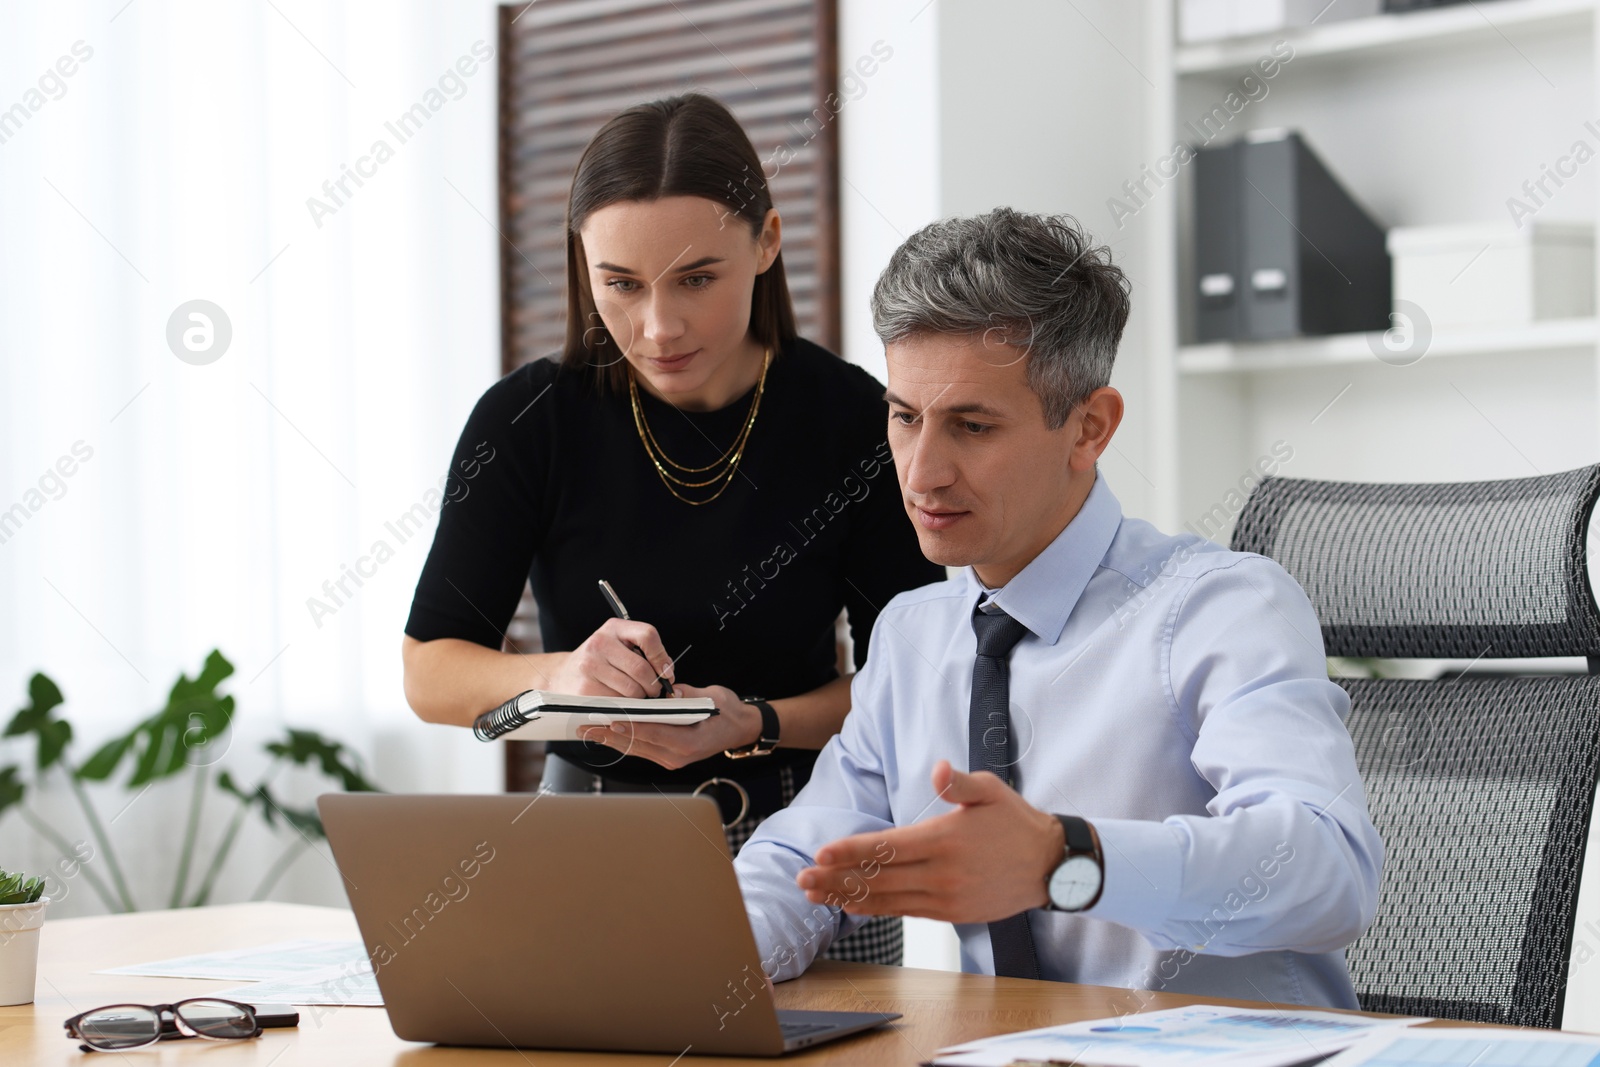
[888,152]
[1031,104]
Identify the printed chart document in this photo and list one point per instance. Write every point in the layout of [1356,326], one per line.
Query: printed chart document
[307,971]
[1463,1047]
[277,960]
[351,984]
[1203,1033]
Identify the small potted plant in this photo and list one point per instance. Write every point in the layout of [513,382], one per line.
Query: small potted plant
[22,904]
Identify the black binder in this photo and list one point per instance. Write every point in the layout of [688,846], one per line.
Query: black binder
[1216,198]
[1281,249]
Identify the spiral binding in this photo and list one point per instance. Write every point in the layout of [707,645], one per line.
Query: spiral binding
[502,720]
[507,717]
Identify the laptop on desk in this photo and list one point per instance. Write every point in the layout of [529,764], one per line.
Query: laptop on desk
[546,921]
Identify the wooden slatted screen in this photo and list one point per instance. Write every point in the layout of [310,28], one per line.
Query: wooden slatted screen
[567,66]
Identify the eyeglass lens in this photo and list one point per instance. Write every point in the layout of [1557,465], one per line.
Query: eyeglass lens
[119,1027]
[216,1018]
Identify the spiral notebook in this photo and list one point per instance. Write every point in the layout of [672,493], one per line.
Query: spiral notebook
[539,716]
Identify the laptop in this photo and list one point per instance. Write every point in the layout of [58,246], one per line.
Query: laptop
[574,922]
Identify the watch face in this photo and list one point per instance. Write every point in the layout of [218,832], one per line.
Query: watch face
[1074,883]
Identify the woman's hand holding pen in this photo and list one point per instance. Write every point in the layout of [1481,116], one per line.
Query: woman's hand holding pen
[624,653]
[623,658]
[736,724]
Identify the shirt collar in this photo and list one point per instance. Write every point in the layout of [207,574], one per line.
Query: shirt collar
[1043,593]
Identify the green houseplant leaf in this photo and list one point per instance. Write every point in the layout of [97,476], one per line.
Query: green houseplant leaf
[194,716]
[51,734]
[261,798]
[12,789]
[306,746]
[106,757]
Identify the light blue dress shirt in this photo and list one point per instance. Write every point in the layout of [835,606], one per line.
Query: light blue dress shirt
[1170,691]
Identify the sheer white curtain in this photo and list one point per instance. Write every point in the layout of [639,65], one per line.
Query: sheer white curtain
[324,173]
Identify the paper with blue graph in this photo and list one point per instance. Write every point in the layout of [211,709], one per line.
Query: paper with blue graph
[1464,1047]
[1239,1037]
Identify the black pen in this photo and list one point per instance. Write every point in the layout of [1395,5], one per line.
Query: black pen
[622,613]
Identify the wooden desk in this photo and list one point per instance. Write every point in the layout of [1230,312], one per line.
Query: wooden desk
[940,1008]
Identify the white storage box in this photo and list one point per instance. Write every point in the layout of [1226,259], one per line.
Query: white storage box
[1212,20]
[1494,274]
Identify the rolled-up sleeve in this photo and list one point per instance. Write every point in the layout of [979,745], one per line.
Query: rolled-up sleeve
[1287,858]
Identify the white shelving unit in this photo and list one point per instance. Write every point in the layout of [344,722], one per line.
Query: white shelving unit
[1553,335]
[1431,117]
[1443,28]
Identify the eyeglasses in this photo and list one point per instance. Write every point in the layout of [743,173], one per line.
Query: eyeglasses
[118,1027]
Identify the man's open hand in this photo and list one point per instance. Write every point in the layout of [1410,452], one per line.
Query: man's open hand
[987,860]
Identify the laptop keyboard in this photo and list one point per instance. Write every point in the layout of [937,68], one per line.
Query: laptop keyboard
[803,1029]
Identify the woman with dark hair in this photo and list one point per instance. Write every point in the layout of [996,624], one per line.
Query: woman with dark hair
[729,478]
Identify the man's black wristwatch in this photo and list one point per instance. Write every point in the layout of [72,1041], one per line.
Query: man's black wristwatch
[1076,882]
[763,745]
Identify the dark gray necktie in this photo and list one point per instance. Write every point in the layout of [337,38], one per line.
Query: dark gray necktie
[989,748]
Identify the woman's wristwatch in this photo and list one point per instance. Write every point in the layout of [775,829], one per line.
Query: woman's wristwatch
[763,745]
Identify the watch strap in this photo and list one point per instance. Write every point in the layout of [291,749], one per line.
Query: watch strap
[763,745]
[1081,840]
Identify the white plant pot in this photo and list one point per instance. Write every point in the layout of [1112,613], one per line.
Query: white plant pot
[19,950]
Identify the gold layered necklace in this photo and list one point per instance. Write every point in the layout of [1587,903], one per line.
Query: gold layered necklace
[721,470]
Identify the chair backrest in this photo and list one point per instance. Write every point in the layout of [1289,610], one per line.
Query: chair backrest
[1482,787]
[1445,571]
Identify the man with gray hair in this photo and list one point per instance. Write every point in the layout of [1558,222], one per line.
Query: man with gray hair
[1106,754]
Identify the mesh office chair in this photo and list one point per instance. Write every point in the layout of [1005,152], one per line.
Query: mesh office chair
[1482,787]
